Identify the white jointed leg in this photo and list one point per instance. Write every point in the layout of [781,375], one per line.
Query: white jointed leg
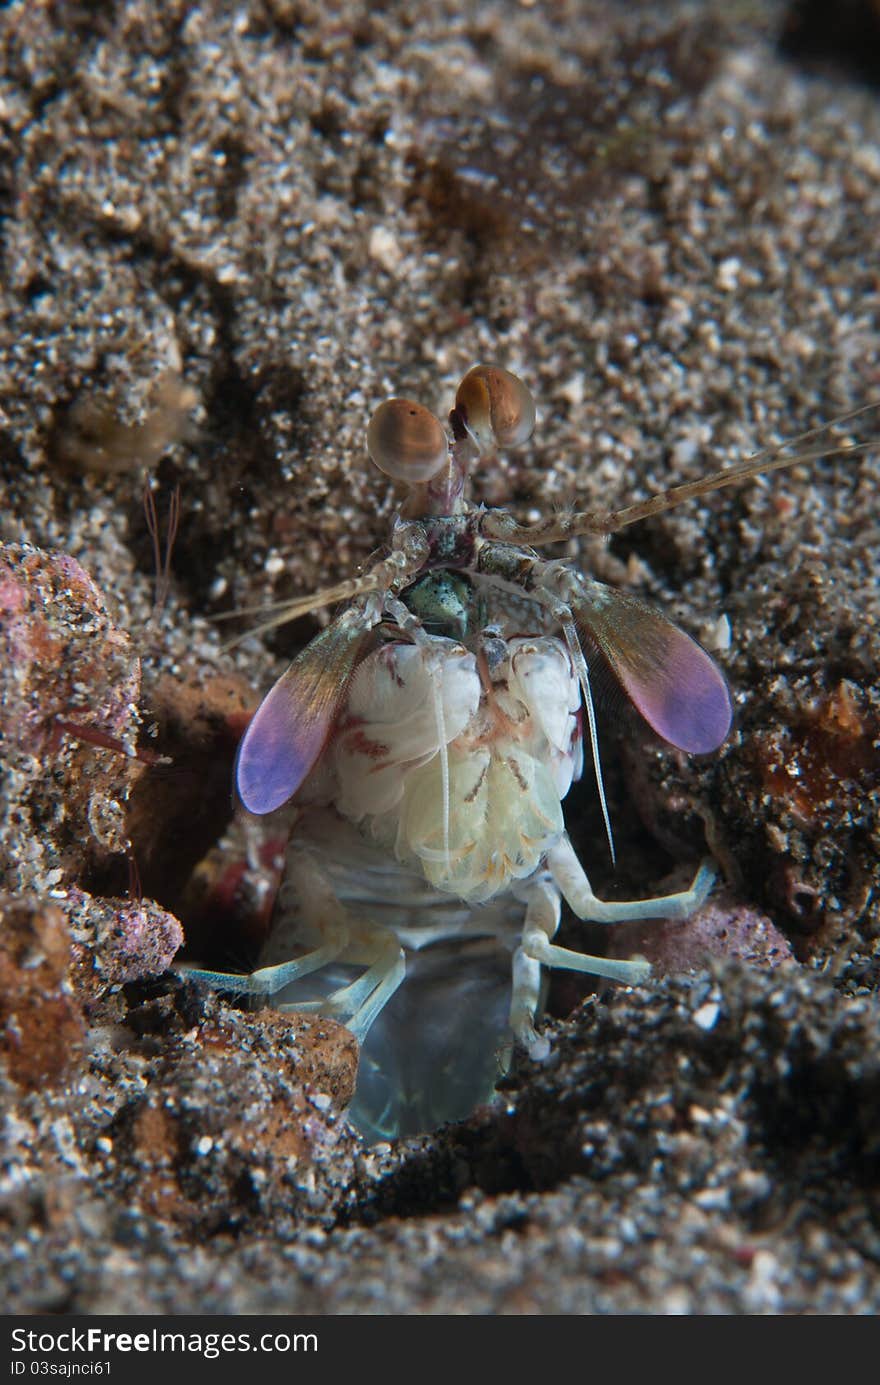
[536,950]
[550,955]
[310,912]
[268,981]
[358,1003]
[569,875]
[393,971]
[542,919]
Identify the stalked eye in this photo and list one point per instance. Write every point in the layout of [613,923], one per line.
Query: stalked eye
[495,408]
[407,441]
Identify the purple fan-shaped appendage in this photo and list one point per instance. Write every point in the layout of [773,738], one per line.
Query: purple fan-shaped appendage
[685,699]
[277,751]
[670,679]
[291,725]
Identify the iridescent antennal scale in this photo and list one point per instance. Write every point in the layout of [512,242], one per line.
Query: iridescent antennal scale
[290,727]
[669,678]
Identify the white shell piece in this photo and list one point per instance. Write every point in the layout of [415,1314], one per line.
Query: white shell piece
[504,813]
[375,886]
[390,723]
[542,676]
[512,749]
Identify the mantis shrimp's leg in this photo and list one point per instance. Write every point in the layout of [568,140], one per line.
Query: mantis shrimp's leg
[536,950]
[569,875]
[358,1004]
[268,981]
[310,911]
[328,931]
[542,918]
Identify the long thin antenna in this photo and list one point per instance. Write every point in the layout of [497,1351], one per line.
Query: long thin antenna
[580,663]
[602,522]
[161,555]
[440,722]
[390,573]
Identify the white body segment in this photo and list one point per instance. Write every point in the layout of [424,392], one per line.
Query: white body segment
[459,775]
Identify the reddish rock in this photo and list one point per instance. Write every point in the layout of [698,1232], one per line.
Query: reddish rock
[69,681]
[825,763]
[723,928]
[41,1027]
[118,940]
[241,1117]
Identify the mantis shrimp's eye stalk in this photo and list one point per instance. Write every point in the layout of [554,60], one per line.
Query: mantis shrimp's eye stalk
[407,441]
[495,408]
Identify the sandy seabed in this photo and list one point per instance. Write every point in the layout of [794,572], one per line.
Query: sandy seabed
[229,231]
